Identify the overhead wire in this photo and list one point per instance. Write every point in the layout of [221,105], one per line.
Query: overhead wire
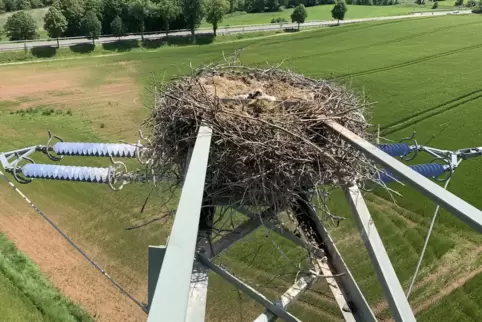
[73,244]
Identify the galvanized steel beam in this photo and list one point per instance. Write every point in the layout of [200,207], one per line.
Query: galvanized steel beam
[170,300]
[248,290]
[231,238]
[355,299]
[154,264]
[397,300]
[458,207]
[291,295]
[283,232]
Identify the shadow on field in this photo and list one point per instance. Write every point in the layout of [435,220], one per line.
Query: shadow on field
[127,45]
[153,43]
[187,40]
[44,52]
[82,48]
[121,45]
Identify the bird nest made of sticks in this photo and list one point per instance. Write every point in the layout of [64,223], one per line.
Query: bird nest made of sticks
[269,140]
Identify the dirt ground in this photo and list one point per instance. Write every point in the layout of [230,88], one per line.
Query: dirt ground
[61,263]
[107,100]
[102,98]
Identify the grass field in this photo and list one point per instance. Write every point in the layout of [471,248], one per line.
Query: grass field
[422,75]
[321,13]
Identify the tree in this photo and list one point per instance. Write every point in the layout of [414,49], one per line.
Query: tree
[339,10]
[254,6]
[73,11]
[2,6]
[299,15]
[110,10]
[23,5]
[36,4]
[92,26]
[139,10]
[215,11]
[95,6]
[21,26]
[117,27]
[169,10]
[10,5]
[232,5]
[55,23]
[193,13]
[435,5]
[272,5]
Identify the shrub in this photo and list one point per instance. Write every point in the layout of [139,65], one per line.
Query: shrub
[21,26]
[36,4]
[471,3]
[435,5]
[278,20]
[459,3]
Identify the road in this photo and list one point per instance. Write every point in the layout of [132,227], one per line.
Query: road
[7,46]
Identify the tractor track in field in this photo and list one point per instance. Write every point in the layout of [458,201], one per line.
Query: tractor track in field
[461,263]
[388,42]
[430,112]
[407,63]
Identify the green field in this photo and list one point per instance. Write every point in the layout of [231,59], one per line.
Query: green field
[422,75]
[321,13]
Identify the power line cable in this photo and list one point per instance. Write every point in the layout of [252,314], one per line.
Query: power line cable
[71,242]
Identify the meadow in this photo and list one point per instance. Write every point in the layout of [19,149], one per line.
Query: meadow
[420,74]
[323,12]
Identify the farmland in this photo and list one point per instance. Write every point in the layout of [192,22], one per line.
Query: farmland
[421,74]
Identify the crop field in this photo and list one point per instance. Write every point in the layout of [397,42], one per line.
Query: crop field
[420,74]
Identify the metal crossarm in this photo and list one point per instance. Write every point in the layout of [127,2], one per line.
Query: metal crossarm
[291,295]
[283,232]
[458,207]
[348,286]
[172,290]
[251,292]
[397,300]
[230,239]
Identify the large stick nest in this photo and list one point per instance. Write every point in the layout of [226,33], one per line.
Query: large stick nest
[269,138]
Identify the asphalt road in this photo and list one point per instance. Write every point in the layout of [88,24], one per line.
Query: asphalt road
[7,46]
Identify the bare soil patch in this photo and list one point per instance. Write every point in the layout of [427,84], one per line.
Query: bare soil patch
[107,100]
[20,82]
[64,266]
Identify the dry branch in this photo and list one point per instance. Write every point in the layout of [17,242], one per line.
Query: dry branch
[269,137]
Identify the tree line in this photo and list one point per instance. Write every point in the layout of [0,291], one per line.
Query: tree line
[91,18]
[14,5]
